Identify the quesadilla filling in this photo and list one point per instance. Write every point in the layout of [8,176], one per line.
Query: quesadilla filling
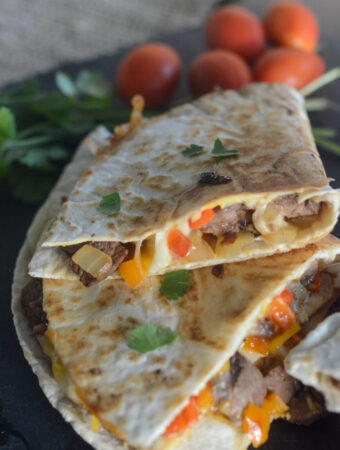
[252,388]
[216,233]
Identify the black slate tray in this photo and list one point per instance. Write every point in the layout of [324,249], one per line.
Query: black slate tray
[25,409]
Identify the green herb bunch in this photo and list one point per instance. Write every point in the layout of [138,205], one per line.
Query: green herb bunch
[39,130]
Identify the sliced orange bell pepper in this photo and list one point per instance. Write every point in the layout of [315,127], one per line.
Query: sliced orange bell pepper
[256,423]
[206,216]
[187,417]
[274,404]
[256,344]
[178,243]
[280,311]
[204,398]
[315,285]
[130,271]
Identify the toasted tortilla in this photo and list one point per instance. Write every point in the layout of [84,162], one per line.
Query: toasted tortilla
[316,361]
[90,329]
[160,189]
[207,432]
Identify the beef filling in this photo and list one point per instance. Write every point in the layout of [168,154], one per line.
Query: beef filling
[236,217]
[242,384]
[116,250]
[245,383]
[306,302]
[306,407]
[31,302]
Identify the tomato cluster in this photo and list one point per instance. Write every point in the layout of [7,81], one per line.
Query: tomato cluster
[238,54]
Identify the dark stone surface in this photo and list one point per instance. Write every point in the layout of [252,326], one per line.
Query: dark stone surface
[24,405]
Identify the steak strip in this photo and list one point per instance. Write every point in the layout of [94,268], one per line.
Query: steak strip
[31,302]
[115,250]
[236,217]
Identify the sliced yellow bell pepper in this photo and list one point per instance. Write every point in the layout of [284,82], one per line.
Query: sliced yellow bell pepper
[280,340]
[95,424]
[130,271]
[204,398]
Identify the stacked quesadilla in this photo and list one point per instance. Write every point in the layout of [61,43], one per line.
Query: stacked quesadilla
[171,271]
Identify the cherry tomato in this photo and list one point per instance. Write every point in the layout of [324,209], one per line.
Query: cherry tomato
[151,70]
[236,29]
[218,68]
[289,66]
[293,25]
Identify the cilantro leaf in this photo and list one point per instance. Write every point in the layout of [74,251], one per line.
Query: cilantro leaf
[93,84]
[7,126]
[65,84]
[110,204]
[146,338]
[219,151]
[193,150]
[175,284]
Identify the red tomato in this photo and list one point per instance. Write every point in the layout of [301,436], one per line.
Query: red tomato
[289,66]
[152,71]
[237,29]
[293,25]
[218,68]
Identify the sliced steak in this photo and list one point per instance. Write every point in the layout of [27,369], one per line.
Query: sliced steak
[230,220]
[290,208]
[31,302]
[116,250]
[307,302]
[306,407]
[241,385]
[265,328]
[277,380]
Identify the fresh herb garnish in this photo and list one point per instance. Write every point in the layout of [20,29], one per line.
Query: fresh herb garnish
[175,284]
[39,130]
[193,150]
[110,204]
[219,151]
[146,338]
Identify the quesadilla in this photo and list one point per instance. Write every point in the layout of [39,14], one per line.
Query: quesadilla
[157,373]
[232,176]
[316,362]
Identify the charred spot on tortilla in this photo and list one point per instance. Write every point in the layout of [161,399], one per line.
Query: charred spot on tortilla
[218,271]
[213,178]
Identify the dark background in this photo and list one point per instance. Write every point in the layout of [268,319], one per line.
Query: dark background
[23,404]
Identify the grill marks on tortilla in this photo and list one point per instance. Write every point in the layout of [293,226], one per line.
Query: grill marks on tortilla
[213,178]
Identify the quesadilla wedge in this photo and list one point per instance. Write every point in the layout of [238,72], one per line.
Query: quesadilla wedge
[213,356]
[316,361]
[231,176]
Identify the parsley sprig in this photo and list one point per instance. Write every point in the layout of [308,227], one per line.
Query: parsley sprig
[39,130]
[146,338]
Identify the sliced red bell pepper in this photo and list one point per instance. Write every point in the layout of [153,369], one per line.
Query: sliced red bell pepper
[187,417]
[206,216]
[178,243]
[280,311]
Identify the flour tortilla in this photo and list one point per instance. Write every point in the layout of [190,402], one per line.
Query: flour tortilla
[316,361]
[159,187]
[204,434]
